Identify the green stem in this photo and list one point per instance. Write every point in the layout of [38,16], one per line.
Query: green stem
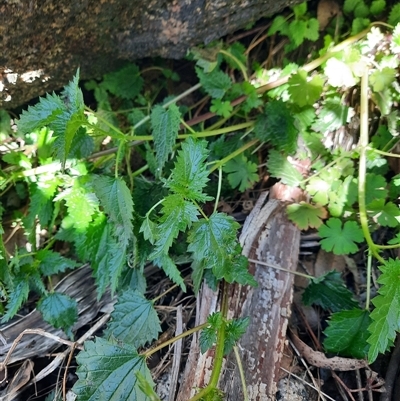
[219,349]
[187,333]
[369,273]
[362,170]
[218,190]
[241,372]
[240,65]
[117,158]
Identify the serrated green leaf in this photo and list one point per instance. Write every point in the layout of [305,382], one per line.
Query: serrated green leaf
[53,263]
[165,125]
[170,269]
[312,32]
[395,44]
[305,215]
[208,337]
[190,174]
[340,239]
[242,173]
[60,310]
[347,333]
[329,292]
[387,214]
[107,372]
[149,230]
[276,125]
[280,167]
[279,24]
[221,108]
[125,83]
[41,204]
[134,320]
[177,215]
[215,83]
[116,200]
[297,32]
[234,331]
[386,315]
[375,188]
[304,91]
[332,116]
[18,295]
[350,5]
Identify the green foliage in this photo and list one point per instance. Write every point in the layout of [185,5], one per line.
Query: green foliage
[59,310]
[215,83]
[279,166]
[386,315]
[276,125]
[242,173]
[304,91]
[340,238]
[134,320]
[165,125]
[306,216]
[329,292]
[108,371]
[347,333]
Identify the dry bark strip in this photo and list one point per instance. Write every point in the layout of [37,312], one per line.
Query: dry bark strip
[268,237]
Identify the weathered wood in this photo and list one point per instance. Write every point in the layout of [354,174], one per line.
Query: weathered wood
[269,237]
[43,42]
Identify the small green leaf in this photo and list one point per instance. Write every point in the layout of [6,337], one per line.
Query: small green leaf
[149,230]
[134,320]
[125,83]
[386,315]
[329,292]
[375,188]
[241,172]
[347,333]
[279,24]
[107,371]
[340,239]
[208,337]
[304,91]
[116,199]
[53,263]
[170,269]
[221,108]
[18,295]
[332,116]
[306,216]
[280,167]
[165,125]
[297,32]
[387,215]
[276,125]
[394,16]
[215,83]
[234,331]
[382,79]
[190,175]
[59,310]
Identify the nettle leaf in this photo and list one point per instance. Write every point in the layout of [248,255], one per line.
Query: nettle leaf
[190,174]
[242,173]
[107,371]
[125,83]
[276,125]
[134,320]
[165,125]
[208,336]
[215,83]
[59,310]
[280,167]
[53,263]
[234,331]
[40,115]
[116,200]
[149,230]
[213,244]
[340,239]
[329,292]
[177,215]
[387,215]
[297,32]
[386,315]
[306,216]
[41,204]
[347,333]
[332,116]
[17,296]
[170,269]
[305,91]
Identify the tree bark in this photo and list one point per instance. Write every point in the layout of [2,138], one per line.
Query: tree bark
[44,42]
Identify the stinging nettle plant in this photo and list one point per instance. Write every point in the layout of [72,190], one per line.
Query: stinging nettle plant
[118,219]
